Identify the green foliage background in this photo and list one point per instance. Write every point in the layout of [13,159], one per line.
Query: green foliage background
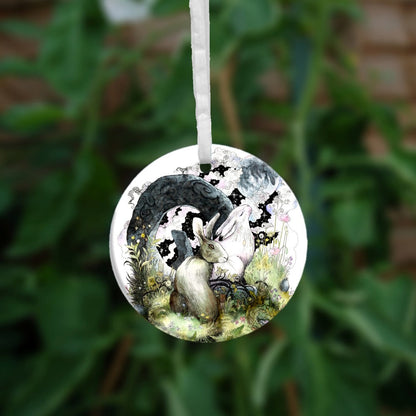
[70,343]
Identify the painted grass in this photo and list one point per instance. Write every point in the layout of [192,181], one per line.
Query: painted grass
[236,318]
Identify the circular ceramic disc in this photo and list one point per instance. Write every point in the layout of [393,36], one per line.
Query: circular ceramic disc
[208,256]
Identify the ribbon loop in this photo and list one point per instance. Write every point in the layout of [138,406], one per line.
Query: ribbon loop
[201,76]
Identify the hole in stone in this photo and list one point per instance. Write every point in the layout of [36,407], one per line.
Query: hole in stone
[205,167]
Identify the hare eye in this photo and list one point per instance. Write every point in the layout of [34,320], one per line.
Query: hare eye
[211,246]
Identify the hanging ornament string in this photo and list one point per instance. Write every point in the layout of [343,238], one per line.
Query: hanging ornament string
[201,76]
[181,241]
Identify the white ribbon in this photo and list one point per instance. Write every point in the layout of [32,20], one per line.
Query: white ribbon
[201,76]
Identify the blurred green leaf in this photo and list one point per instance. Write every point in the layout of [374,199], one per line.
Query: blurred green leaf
[349,7]
[71,52]
[254,60]
[173,89]
[175,405]
[342,187]
[403,164]
[162,7]
[52,381]
[387,123]
[375,326]
[22,28]
[138,156]
[263,372]
[196,390]
[381,334]
[296,319]
[14,309]
[316,381]
[18,67]
[31,118]
[71,312]
[346,91]
[97,197]
[382,294]
[250,17]
[348,379]
[48,212]
[223,42]
[354,221]
[6,196]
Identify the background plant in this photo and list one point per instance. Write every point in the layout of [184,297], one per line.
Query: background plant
[71,344]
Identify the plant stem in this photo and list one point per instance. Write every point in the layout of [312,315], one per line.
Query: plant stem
[304,106]
[228,104]
[115,370]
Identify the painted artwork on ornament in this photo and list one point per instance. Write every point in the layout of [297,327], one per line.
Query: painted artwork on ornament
[212,256]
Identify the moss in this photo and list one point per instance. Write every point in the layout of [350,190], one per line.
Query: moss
[241,311]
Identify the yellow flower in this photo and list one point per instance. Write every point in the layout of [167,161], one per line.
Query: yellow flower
[151,282]
[143,235]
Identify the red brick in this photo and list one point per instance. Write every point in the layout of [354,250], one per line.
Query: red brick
[384,26]
[403,236]
[407,116]
[17,90]
[274,85]
[403,243]
[411,71]
[173,29]
[385,75]
[409,142]
[410,21]
[375,144]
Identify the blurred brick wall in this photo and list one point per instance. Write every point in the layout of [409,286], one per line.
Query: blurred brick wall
[17,90]
[386,53]
[384,44]
[386,47]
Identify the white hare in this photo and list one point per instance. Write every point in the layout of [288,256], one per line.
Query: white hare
[192,293]
[237,239]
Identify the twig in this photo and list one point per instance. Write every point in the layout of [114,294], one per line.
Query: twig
[290,389]
[115,370]
[228,104]
[292,399]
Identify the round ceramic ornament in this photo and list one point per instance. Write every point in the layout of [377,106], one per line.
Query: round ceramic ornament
[207,255]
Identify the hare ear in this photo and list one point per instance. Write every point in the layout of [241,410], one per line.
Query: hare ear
[210,226]
[198,228]
[228,229]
